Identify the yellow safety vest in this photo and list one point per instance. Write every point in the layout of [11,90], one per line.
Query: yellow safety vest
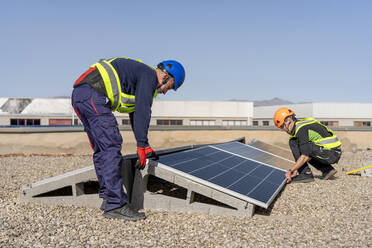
[327,142]
[120,101]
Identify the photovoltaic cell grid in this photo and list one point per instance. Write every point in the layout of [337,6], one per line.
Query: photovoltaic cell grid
[277,150]
[228,168]
[259,154]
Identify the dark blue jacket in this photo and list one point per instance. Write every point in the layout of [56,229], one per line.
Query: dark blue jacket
[140,80]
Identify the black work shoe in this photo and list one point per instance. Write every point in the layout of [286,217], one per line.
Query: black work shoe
[125,212]
[103,205]
[303,178]
[329,174]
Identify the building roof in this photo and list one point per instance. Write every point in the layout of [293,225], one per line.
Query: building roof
[2,101]
[14,105]
[49,106]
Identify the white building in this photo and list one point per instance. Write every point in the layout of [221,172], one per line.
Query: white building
[58,111]
[337,114]
[203,113]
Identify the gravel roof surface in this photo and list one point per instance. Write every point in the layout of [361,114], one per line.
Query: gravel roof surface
[333,213]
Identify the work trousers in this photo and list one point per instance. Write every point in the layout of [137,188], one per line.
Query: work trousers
[321,158]
[100,124]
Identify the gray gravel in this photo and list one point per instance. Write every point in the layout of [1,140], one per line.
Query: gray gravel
[334,213]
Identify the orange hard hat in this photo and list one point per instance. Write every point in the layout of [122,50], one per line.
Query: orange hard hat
[280,116]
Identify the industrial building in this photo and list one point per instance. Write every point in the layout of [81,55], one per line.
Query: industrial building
[58,111]
[333,114]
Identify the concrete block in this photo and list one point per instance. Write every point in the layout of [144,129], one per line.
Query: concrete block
[160,202]
[366,172]
[69,179]
[181,181]
[91,200]
[190,196]
[227,199]
[240,212]
[78,189]
[368,155]
[198,207]
[200,188]
[176,204]
[163,174]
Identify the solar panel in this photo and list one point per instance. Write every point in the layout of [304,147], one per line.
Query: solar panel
[229,168]
[275,149]
[259,154]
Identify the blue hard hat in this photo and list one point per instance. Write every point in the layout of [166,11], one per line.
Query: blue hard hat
[175,69]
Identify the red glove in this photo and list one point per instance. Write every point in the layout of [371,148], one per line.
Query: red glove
[144,153]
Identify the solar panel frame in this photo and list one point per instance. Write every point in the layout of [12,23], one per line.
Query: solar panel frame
[195,169]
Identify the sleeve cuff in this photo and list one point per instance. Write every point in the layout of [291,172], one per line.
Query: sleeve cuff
[142,143]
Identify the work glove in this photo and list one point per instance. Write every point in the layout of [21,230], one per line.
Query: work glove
[143,154]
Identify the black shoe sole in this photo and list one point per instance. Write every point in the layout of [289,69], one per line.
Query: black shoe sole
[330,175]
[307,180]
[103,204]
[123,217]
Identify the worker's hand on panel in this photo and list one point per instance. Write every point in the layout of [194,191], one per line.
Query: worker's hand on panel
[141,161]
[290,174]
[150,153]
[143,154]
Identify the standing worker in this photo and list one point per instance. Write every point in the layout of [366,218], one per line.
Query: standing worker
[310,141]
[127,86]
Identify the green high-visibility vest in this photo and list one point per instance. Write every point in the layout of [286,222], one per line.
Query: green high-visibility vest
[120,101]
[327,142]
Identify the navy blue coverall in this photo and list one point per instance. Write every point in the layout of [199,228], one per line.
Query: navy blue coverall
[93,109]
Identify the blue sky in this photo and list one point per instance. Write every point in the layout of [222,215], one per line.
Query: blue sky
[301,51]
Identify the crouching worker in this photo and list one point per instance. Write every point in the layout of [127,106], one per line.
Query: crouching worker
[310,142]
[128,86]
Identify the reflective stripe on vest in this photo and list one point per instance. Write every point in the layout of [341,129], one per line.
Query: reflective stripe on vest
[112,82]
[124,103]
[328,142]
[127,103]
